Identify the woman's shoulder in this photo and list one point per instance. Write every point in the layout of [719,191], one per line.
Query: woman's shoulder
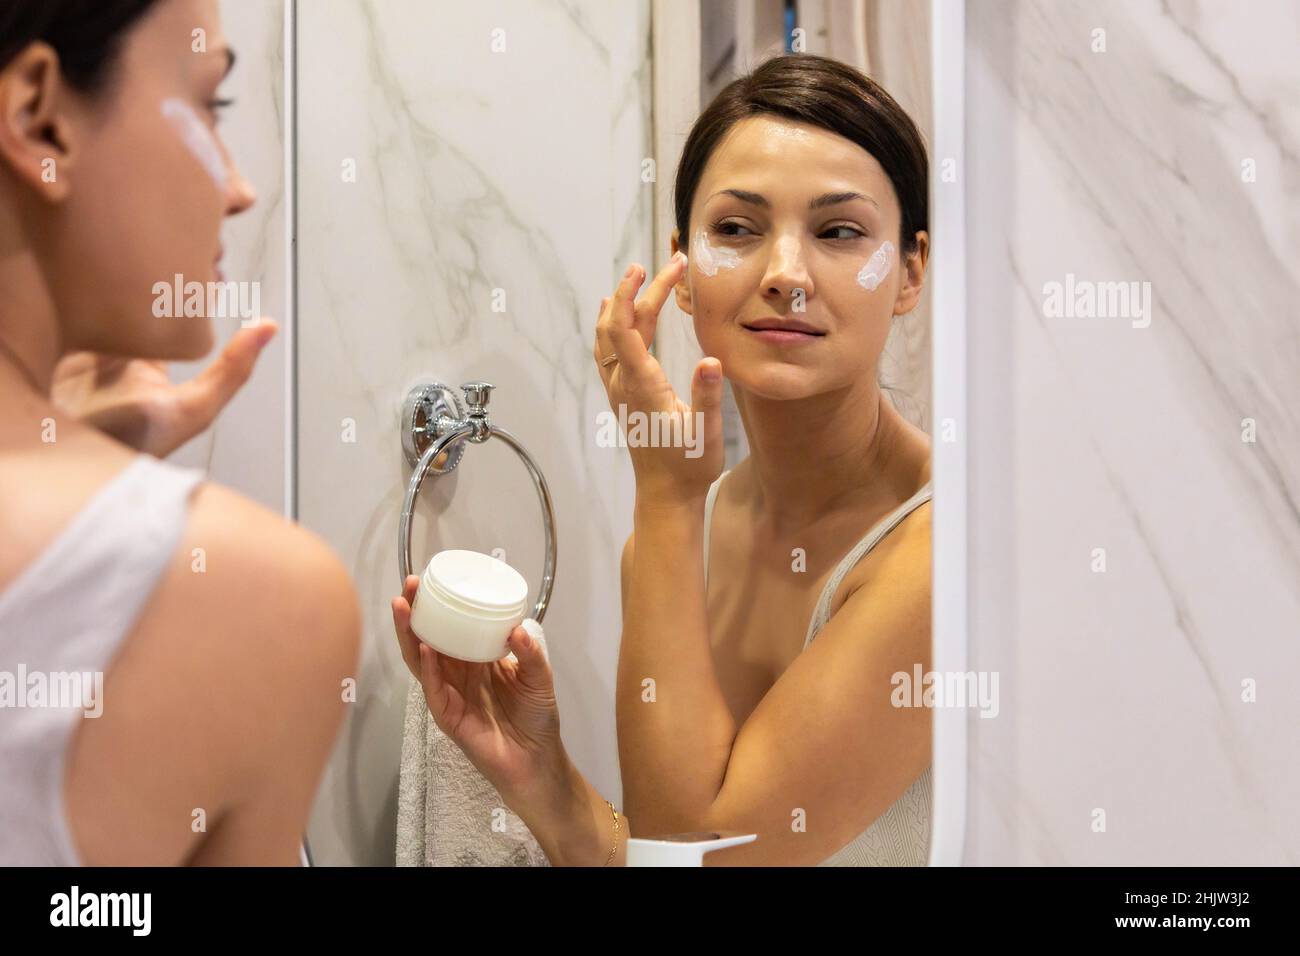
[260,597]
[236,566]
[231,673]
[255,545]
[228,692]
[902,554]
[269,561]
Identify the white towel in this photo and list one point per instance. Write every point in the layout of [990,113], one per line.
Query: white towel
[448,814]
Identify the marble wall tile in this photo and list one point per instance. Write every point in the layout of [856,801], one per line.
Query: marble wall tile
[1123,690]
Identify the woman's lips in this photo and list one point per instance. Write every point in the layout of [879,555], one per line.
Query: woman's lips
[784,336]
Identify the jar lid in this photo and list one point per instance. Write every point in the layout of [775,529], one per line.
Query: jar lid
[479,580]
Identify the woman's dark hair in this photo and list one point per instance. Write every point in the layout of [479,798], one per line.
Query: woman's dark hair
[86,34]
[825,93]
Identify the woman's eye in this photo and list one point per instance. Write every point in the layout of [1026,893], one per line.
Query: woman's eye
[842,233]
[218,105]
[732,229]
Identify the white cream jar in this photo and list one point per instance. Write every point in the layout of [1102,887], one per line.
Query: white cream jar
[467,605]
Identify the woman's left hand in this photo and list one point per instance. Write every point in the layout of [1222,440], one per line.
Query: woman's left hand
[502,714]
[134,400]
[637,382]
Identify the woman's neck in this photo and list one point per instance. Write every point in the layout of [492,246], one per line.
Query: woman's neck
[29,331]
[821,454]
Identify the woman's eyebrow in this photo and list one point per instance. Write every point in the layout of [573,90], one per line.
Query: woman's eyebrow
[745,195]
[230,61]
[834,199]
[829,199]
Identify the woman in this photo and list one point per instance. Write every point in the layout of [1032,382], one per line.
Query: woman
[802,199]
[217,711]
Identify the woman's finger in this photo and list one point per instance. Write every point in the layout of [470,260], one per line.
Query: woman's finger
[402,605]
[204,396]
[406,638]
[620,323]
[528,643]
[604,345]
[401,621]
[437,692]
[644,313]
[706,399]
[656,294]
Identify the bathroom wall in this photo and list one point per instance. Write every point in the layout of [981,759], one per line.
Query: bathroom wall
[470,187]
[1135,549]
[248,448]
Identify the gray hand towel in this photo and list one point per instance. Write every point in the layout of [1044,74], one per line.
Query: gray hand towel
[448,814]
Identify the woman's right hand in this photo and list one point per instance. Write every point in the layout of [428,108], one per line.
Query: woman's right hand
[502,714]
[636,384]
[135,401]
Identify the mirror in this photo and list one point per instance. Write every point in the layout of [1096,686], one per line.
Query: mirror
[470,182]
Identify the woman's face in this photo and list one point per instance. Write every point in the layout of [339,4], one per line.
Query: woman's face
[793,224]
[147,184]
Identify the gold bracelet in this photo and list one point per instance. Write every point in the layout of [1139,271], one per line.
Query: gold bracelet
[614,848]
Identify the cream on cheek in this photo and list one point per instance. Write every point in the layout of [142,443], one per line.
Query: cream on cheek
[709,258]
[877,267]
[197,138]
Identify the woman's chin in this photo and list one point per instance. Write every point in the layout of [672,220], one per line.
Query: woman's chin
[199,340]
[776,381]
[191,341]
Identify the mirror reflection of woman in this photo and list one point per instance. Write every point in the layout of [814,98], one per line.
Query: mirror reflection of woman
[221,631]
[755,687]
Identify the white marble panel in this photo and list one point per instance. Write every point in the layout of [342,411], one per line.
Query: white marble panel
[1123,689]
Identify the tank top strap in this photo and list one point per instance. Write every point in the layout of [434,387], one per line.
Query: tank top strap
[881,528]
[708,520]
[94,578]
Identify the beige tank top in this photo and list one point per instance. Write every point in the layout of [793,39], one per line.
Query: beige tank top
[63,620]
[901,835]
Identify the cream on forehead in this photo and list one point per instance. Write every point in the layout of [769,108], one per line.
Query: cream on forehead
[197,138]
[709,259]
[877,267]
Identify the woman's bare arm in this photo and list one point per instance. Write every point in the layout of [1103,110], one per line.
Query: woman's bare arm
[825,752]
[675,730]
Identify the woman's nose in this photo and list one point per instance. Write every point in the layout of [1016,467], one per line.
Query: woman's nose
[240,194]
[787,270]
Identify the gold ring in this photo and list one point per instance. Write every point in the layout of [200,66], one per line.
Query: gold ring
[608,361]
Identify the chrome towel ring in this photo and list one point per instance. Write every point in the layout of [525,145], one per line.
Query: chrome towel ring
[434,430]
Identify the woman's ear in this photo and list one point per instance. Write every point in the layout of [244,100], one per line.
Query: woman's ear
[682,290]
[36,134]
[909,292]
